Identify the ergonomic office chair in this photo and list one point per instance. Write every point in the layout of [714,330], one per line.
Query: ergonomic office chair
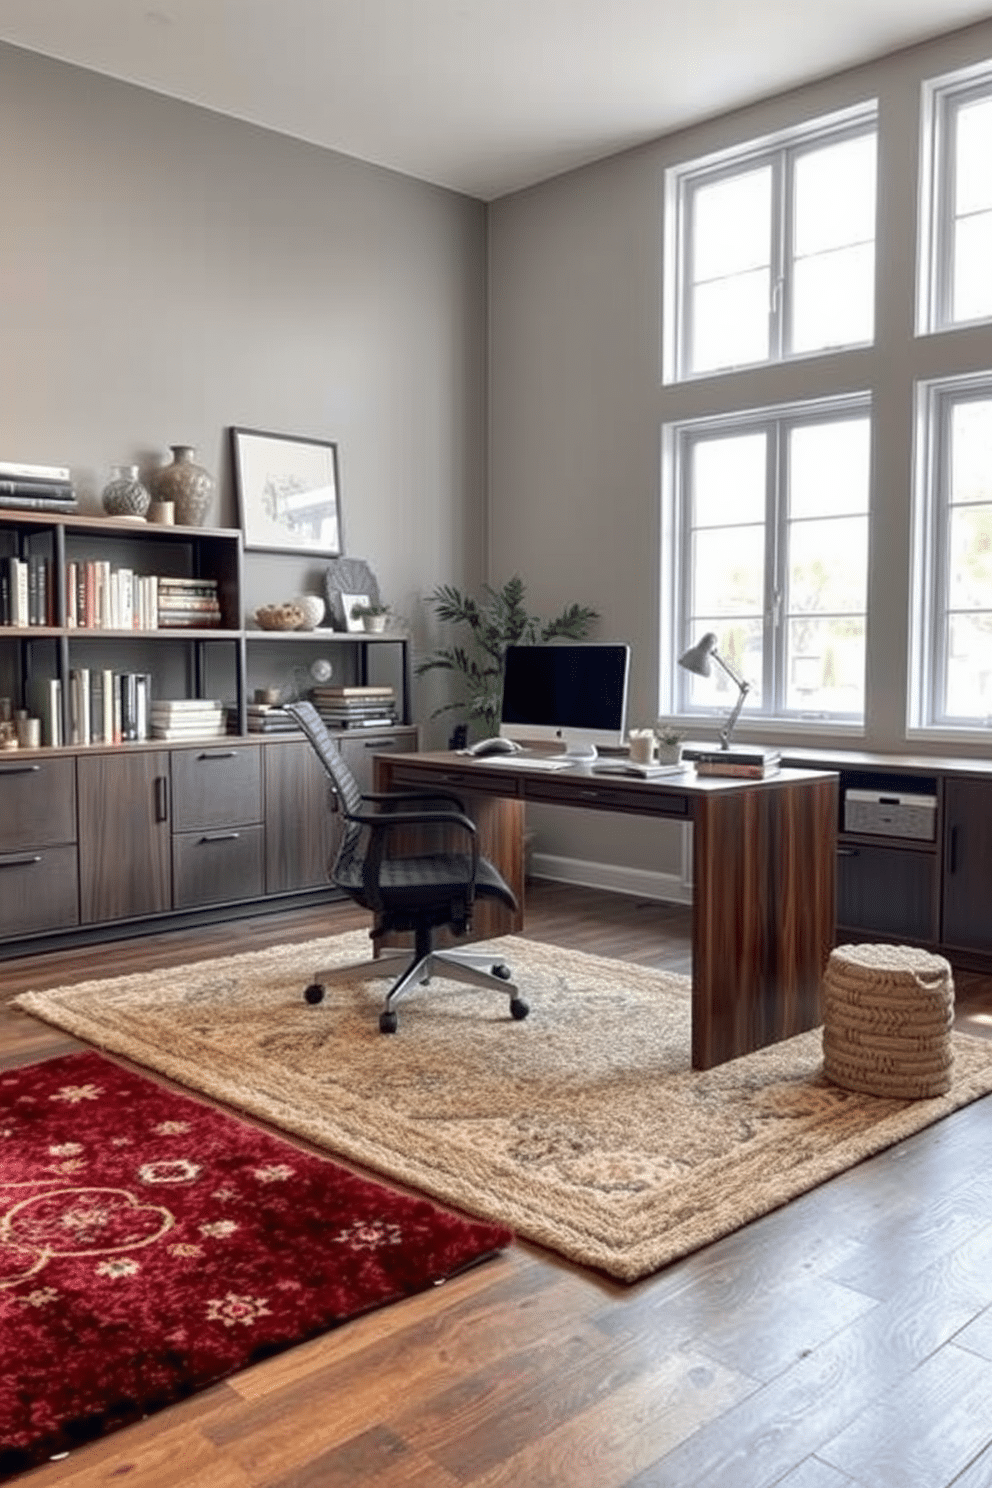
[417,891]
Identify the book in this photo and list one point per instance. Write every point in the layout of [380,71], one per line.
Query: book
[185,705]
[737,769]
[194,731]
[39,503]
[735,756]
[631,767]
[12,470]
[325,691]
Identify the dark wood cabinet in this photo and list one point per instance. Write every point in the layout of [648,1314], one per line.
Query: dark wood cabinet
[39,878]
[967,901]
[125,861]
[300,830]
[887,890]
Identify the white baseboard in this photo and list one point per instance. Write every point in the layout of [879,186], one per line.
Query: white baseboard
[639,882]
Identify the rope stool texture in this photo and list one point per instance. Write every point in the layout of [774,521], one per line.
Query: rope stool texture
[887,1017]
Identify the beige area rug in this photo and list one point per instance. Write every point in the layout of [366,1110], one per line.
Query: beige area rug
[583,1127]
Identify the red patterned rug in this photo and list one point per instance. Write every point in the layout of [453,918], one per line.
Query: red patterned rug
[150,1246]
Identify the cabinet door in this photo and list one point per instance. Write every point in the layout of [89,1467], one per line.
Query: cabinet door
[886,891]
[359,752]
[968,864]
[124,837]
[301,833]
[216,786]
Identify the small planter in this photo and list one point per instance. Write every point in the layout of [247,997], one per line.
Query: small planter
[375,623]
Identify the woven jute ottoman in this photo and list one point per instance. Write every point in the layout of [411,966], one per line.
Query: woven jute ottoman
[887,1016]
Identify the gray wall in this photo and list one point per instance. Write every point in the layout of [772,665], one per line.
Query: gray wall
[166,273]
[577,402]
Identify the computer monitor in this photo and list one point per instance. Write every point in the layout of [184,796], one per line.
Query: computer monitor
[575,695]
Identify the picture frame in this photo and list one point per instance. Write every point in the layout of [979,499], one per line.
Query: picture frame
[348,602]
[288,492]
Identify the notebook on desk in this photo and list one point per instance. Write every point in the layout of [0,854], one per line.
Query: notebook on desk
[635,768]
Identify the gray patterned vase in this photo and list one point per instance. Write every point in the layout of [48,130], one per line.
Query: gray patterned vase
[186,484]
[124,495]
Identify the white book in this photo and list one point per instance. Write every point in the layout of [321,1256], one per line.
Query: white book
[109,689]
[185,705]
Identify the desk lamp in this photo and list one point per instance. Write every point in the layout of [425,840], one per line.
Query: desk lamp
[697,659]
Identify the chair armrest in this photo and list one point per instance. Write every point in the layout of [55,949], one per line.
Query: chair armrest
[385,821]
[399,796]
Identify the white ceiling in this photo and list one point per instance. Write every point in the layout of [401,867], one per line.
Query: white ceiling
[483,96]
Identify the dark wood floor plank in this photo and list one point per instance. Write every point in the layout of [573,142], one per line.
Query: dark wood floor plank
[924,1433]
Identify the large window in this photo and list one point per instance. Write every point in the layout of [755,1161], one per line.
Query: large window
[956,235]
[771,546]
[773,254]
[953,590]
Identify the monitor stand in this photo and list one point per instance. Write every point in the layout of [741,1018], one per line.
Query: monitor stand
[584,752]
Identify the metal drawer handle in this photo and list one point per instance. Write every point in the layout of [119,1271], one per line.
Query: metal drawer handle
[20,860]
[19,769]
[848,852]
[217,754]
[220,836]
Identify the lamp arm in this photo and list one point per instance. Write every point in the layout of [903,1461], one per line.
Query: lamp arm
[743,689]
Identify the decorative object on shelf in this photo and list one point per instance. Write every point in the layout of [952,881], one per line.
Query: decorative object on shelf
[697,660]
[186,484]
[496,621]
[162,513]
[125,495]
[279,617]
[668,743]
[372,617]
[288,494]
[351,576]
[314,609]
[353,603]
[302,678]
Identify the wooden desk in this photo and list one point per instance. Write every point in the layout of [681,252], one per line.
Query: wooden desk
[763,882]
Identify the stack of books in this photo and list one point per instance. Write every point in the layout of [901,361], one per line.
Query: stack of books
[25,591]
[107,707]
[355,707]
[739,764]
[188,718]
[37,487]
[269,718]
[189,603]
[101,597]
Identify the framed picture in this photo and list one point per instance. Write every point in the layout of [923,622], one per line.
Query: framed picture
[348,602]
[288,494]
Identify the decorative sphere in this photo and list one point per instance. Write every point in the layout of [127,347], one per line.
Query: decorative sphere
[313,607]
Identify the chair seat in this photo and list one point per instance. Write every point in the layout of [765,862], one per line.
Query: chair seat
[433,879]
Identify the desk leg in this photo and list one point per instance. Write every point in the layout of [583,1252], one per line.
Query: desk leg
[764,865]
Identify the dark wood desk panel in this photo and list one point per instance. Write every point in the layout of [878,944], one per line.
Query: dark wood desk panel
[763,878]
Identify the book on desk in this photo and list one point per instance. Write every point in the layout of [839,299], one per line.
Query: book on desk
[737,764]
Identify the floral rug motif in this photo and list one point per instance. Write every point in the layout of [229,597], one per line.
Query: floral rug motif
[582,1127]
[152,1245]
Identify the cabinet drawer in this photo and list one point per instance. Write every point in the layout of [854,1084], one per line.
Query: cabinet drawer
[359,752]
[217,866]
[37,803]
[39,890]
[216,786]
[888,892]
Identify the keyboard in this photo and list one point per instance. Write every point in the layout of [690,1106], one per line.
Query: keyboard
[525,761]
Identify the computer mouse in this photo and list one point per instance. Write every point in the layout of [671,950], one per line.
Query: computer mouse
[497,745]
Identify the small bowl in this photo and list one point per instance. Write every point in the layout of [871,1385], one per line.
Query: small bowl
[280,617]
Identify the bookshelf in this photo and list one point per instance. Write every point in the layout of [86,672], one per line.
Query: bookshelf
[127,832]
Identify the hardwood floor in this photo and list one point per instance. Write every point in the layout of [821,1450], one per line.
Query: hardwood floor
[843,1340]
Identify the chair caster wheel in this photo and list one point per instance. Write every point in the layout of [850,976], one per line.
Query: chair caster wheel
[502,971]
[314,994]
[518,1008]
[387,1022]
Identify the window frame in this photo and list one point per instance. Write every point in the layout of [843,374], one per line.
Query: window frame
[678,439]
[929,618]
[780,151]
[942,99]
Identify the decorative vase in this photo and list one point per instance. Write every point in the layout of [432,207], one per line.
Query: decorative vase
[313,608]
[124,495]
[186,484]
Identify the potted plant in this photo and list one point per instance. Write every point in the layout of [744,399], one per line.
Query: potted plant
[373,616]
[669,743]
[495,621]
